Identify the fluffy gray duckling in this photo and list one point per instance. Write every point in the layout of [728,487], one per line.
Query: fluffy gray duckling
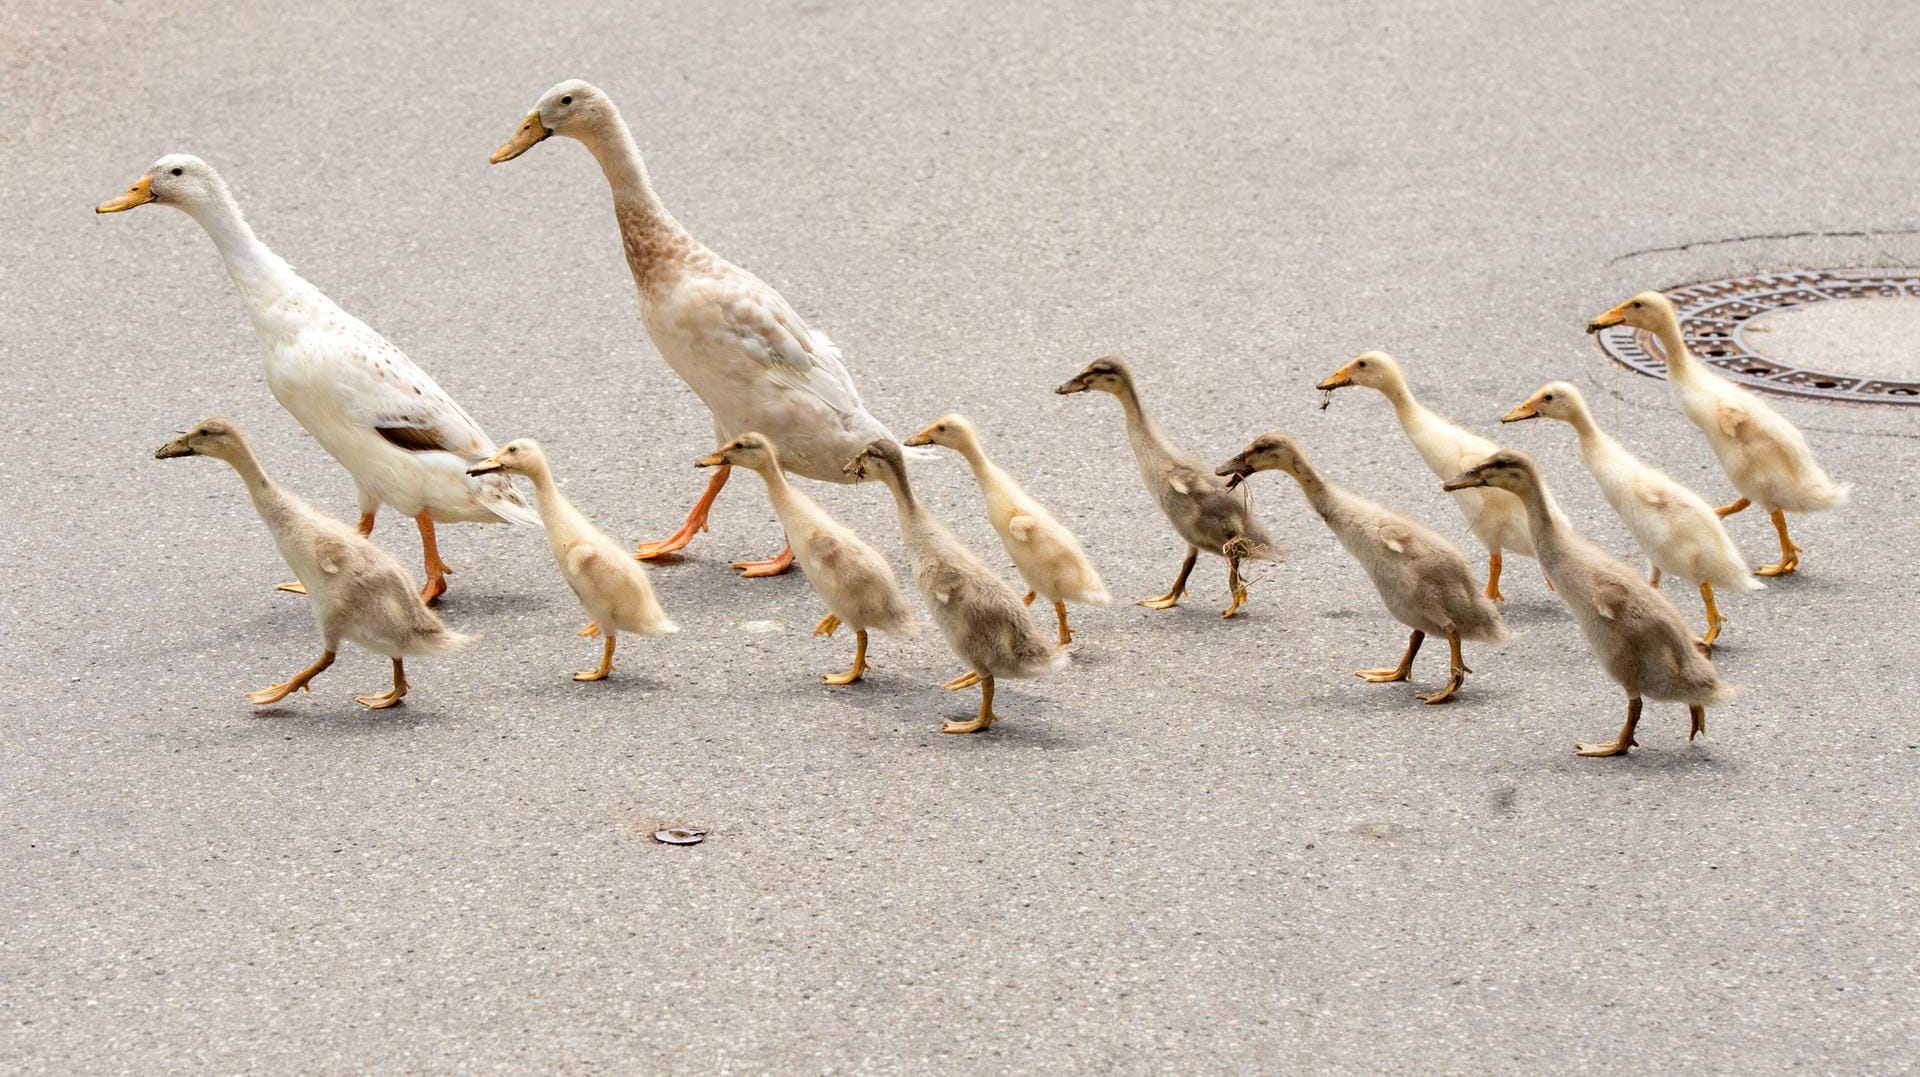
[1423,580]
[1640,638]
[358,591]
[1204,510]
[982,617]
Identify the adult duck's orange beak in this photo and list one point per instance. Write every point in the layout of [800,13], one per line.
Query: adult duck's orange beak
[1339,379]
[1528,409]
[137,195]
[531,132]
[1610,318]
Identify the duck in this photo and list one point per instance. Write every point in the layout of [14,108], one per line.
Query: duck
[612,587]
[981,616]
[359,593]
[1639,637]
[1675,527]
[1203,510]
[1497,520]
[1423,580]
[736,342]
[1765,457]
[1047,555]
[406,442]
[852,578]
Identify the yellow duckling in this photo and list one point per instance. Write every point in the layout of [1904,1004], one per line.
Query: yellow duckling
[1047,555]
[611,585]
[1765,457]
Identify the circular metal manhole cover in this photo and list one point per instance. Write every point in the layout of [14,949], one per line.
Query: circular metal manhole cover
[1733,324]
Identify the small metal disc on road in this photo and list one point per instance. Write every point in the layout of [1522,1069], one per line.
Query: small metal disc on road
[680,835]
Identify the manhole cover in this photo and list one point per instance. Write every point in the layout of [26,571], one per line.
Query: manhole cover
[1833,334]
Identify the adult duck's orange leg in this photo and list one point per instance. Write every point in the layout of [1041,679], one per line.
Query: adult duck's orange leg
[1789,553]
[1172,597]
[387,699]
[1623,742]
[696,521]
[768,566]
[437,570]
[1732,507]
[274,693]
[365,527]
[1493,577]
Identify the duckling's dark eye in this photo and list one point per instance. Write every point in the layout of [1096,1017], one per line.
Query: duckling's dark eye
[1636,304]
[1549,396]
[177,171]
[1362,364]
[567,100]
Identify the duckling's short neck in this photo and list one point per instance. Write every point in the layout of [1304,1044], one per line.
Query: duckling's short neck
[901,487]
[1681,363]
[268,499]
[1543,513]
[1142,431]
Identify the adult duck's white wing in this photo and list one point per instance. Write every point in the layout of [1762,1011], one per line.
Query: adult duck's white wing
[794,356]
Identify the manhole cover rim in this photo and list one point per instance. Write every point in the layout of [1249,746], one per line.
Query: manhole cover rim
[1713,315]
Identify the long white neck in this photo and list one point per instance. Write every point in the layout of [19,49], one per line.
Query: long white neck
[634,200]
[261,275]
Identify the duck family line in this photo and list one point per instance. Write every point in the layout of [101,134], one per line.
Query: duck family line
[783,403]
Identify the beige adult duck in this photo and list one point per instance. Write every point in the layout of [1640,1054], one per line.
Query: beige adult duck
[358,592]
[1202,508]
[1047,555]
[981,617]
[851,577]
[1425,583]
[1641,640]
[734,340]
[612,587]
[1496,519]
[1674,526]
[1766,458]
[404,440]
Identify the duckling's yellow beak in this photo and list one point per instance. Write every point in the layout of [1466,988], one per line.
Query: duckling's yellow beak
[531,131]
[491,463]
[924,437]
[1463,482]
[137,195]
[177,447]
[712,459]
[1339,379]
[1610,318]
[1528,410]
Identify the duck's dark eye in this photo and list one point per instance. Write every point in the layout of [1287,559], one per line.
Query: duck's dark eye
[1636,304]
[177,171]
[1549,396]
[567,100]
[1362,364]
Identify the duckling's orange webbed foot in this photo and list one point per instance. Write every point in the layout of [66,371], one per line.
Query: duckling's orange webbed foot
[1172,597]
[292,587]
[1233,607]
[274,693]
[1161,602]
[965,680]
[1789,553]
[981,721]
[599,673]
[389,698]
[859,668]
[769,566]
[1622,743]
[589,630]
[1390,674]
[1457,672]
[1066,630]
[1697,714]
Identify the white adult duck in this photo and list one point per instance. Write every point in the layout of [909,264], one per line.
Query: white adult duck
[1765,457]
[735,342]
[405,441]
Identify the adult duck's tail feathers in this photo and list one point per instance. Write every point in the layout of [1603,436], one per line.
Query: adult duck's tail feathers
[504,500]
[919,454]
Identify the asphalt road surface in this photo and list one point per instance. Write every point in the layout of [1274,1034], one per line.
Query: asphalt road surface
[1205,846]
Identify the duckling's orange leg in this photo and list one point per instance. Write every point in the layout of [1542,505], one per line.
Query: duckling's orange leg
[1625,741]
[589,630]
[1493,577]
[599,673]
[696,521]
[859,662]
[1456,671]
[365,527]
[965,680]
[1653,581]
[1172,597]
[1714,620]
[1698,715]
[768,566]
[1789,553]
[274,693]
[387,699]
[981,721]
[1235,587]
[1066,630]
[437,570]
[1028,601]
[1389,674]
[1731,507]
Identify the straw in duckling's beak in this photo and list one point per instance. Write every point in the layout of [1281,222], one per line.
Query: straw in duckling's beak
[531,132]
[177,447]
[137,195]
[1236,471]
[712,459]
[1527,410]
[856,468]
[491,463]
[1610,318]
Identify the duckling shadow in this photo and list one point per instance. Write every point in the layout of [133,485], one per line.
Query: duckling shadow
[461,606]
[333,722]
[1663,762]
[1531,612]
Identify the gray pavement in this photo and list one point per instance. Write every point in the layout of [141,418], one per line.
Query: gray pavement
[1205,846]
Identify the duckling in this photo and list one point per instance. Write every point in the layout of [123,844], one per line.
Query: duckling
[1046,553]
[982,618]
[1765,457]
[358,591]
[1675,527]
[851,577]
[1640,638]
[1203,510]
[1423,580]
[612,587]
[1495,519]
